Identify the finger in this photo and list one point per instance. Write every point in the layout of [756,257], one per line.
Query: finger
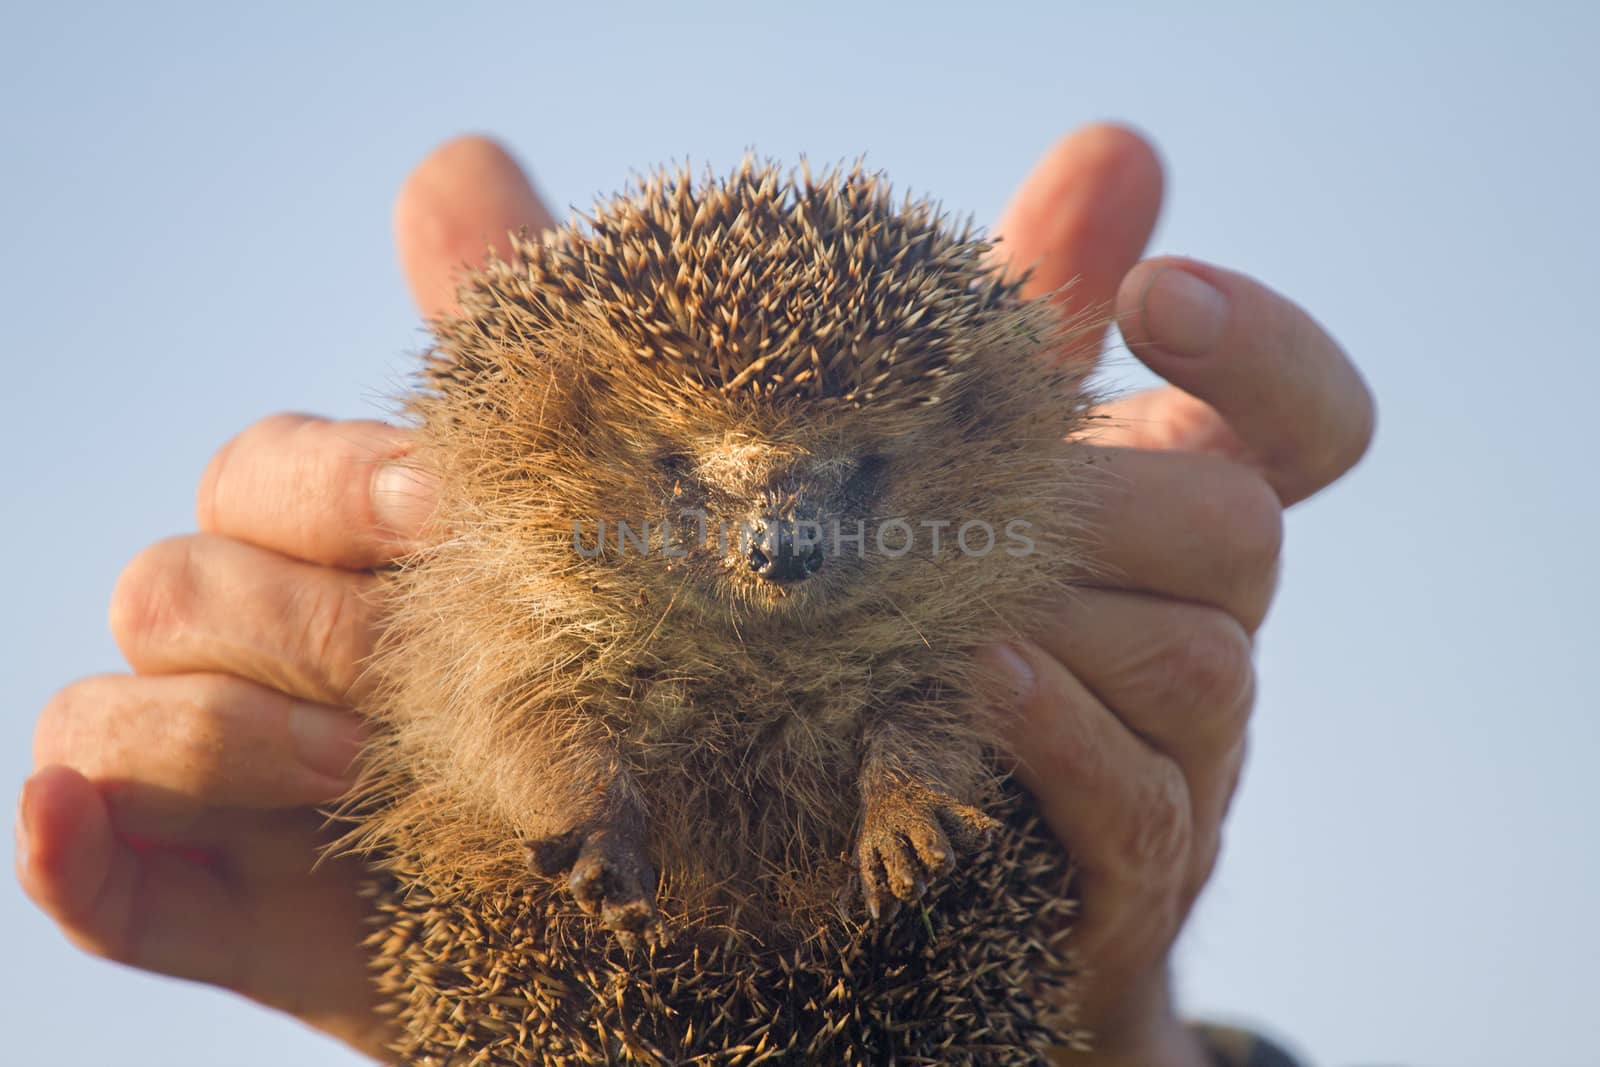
[336,493]
[158,911]
[1186,526]
[1121,805]
[1287,393]
[208,603]
[1121,808]
[464,198]
[168,750]
[1166,419]
[74,866]
[1178,675]
[1083,216]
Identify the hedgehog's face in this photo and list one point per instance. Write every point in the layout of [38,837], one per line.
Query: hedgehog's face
[770,516]
[749,511]
[764,388]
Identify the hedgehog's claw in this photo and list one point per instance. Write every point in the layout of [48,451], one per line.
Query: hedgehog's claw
[910,838]
[609,878]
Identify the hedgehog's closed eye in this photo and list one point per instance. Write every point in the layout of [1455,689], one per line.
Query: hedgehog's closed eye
[673,464]
[868,470]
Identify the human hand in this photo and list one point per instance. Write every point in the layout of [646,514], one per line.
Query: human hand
[171,821]
[1133,706]
[231,632]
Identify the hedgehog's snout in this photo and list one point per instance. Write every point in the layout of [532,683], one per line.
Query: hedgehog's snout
[785,551]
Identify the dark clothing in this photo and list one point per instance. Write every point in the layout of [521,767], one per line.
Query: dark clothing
[1240,1048]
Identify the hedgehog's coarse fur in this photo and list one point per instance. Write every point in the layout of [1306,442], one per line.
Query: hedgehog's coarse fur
[641,806]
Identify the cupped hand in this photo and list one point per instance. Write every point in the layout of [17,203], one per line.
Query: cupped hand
[1132,707]
[171,823]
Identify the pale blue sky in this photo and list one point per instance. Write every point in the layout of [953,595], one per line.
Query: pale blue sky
[196,233]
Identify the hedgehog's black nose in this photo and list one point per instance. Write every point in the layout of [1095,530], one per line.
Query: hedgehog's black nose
[783,554]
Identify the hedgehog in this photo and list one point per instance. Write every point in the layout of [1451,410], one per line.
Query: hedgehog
[680,752]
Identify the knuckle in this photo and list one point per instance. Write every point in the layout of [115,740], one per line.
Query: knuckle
[1067,746]
[194,727]
[198,737]
[1254,520]
[154,597]
[222,473]
[194,735]
[332,616]
[1160,823]
[59,723]
[1210,669]
[95,724]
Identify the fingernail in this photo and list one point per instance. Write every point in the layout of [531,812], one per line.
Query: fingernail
[402,497]
[326,739]
[1183,314]
[1015,672]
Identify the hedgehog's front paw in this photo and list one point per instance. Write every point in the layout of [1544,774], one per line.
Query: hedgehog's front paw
[910,836]
[609,877]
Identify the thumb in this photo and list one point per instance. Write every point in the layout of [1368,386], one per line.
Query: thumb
[466,196]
